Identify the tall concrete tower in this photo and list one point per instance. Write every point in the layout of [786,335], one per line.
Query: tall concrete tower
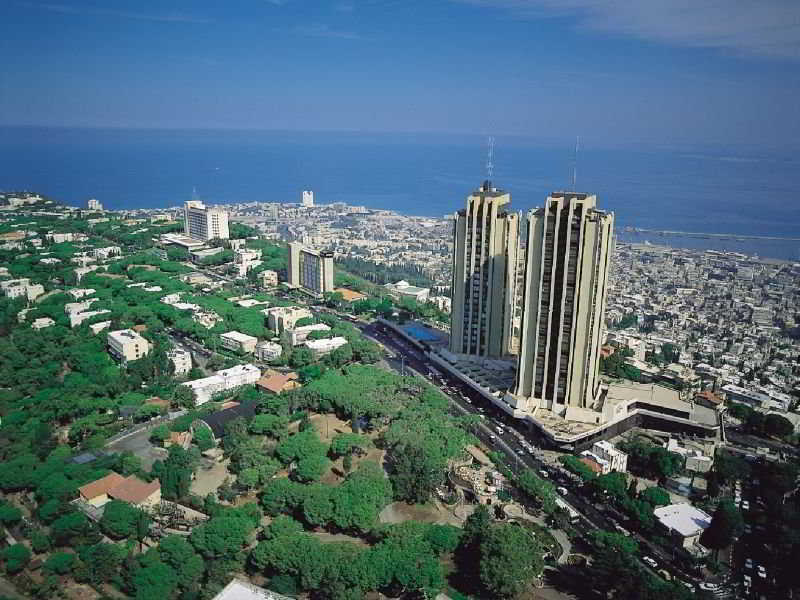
[563,307]
[486,241]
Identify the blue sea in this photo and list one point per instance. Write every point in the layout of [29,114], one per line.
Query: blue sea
[715,190]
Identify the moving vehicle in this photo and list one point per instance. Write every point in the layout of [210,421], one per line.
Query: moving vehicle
[649,562]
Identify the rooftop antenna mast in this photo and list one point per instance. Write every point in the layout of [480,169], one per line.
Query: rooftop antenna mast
[575,163]
[194,193]
[489,163]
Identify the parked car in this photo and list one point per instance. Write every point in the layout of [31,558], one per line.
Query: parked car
[745,505]
[649,562]
[748,563]
[562,490]
[762,572]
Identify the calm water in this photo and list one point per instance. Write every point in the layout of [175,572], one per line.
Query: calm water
[686,190]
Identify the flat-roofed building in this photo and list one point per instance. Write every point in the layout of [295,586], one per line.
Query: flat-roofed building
[310,270]
[268,351]
[126,345]
[205,223]
[224,380]
[21,288]
[325,346]
[42,323]
[618,460]
[485,248]
[283,318]
[238,589]
[239,342]
[685,524]
[181,359]
[77,318]
[269,279]
[300,334]
[569,251]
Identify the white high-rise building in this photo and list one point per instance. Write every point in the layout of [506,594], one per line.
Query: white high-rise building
[94,204]
[308,198]
[205,223]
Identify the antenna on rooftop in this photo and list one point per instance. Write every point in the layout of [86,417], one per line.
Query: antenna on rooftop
[194,193]
[489,163]
[575,163]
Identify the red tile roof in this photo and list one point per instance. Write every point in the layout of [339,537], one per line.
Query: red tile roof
[102,486]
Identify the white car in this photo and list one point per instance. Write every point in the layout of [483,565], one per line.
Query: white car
[562,490]
[745,505]
[649,562]
[747,581]
[748,563]
[762,572]
[688,586]
[708,587]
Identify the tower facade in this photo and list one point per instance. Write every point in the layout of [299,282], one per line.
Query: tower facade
[563,305]
[486,242]
[310,270]
[204,223]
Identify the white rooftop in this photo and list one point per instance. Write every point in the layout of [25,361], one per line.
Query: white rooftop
[241,590]
[239,336]
[683,518]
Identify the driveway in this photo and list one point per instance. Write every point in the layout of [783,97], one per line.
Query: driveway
[139,444]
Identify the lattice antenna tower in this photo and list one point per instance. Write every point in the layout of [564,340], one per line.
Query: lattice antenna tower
[575,164]
[490,156]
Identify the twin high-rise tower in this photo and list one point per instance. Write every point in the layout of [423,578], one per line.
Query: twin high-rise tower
[537,291]
[486,244]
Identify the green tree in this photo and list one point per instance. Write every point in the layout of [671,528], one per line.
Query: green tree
[10,515]
[15,557]
[726,524]
[60,563]
[347,443]
[159,433]
[102,561]
[655,496]
[776,425]
[270,425]
[203,438]
[510,560]
[119,519]
[184,396]
[311,468]
[416,471]
[40,541]
[177,473]
[179,554]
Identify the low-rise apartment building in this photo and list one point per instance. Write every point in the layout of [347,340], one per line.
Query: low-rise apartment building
[239,342]
[268,351]
[224,380]
[283,318]
[325,346]
[181,359]
[126,345]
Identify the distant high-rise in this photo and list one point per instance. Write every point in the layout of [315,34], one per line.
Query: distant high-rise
[486,243]
[310,270]
[566,279]
[204,223]
[308,198]
[94,204]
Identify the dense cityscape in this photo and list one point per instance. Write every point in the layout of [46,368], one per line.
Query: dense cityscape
[305,400]
[396,300]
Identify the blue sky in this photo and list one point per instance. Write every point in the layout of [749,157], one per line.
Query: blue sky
[659,72]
